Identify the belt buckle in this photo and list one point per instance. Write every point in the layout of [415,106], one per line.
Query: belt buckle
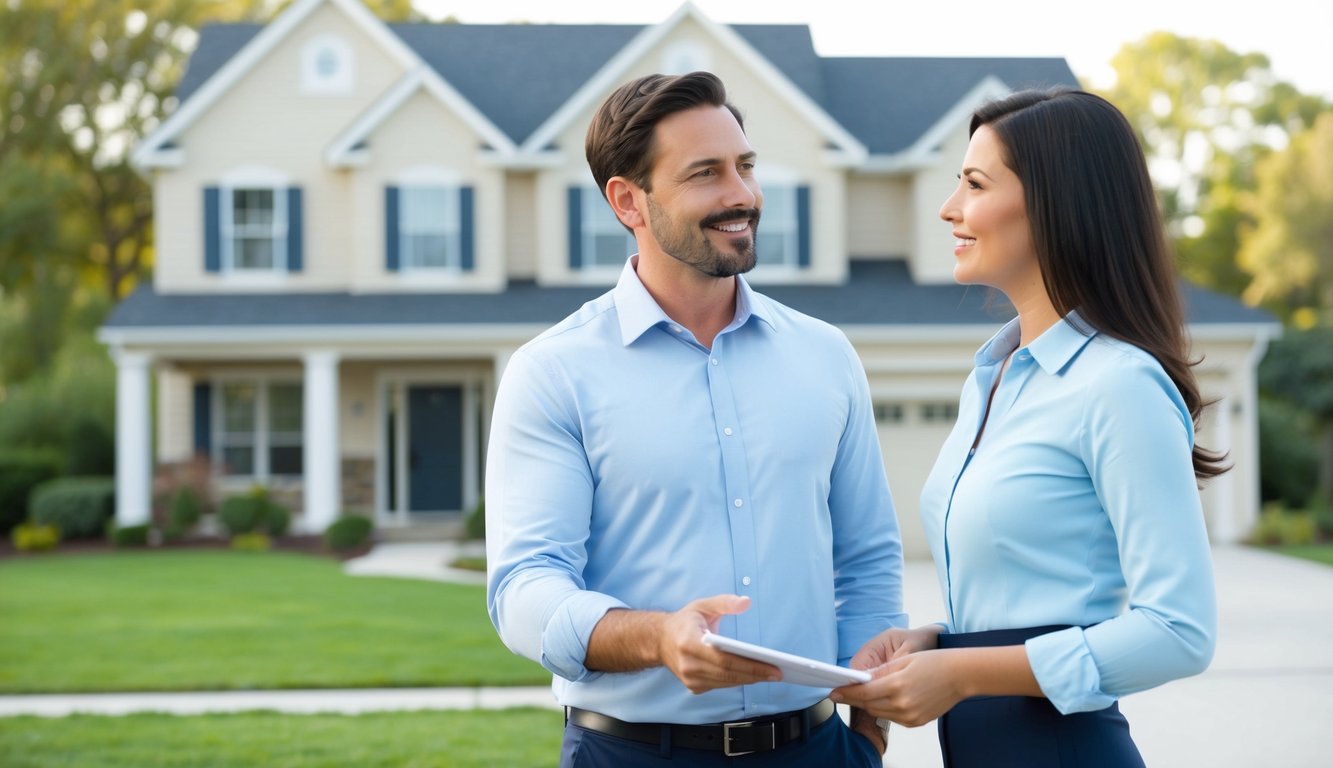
[726,737]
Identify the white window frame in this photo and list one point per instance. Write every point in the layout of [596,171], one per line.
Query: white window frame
[246,180]
[321,48]
[449,225]
[263,438]
[597,220]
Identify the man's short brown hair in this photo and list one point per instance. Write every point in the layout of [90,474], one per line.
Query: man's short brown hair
[620,137]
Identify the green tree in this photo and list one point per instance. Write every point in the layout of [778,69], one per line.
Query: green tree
[1299,369]
[1205,115]
[1288,250]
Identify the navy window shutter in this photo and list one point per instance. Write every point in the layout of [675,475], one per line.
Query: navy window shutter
[212,230]
[295,237]
[391,229]
[465,239]
[576,227]
[203,419]
[803,226]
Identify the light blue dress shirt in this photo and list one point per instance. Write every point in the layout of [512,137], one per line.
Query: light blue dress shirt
[1078,507]
[631,467]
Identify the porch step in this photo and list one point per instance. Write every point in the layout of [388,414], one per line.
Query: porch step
[443,530]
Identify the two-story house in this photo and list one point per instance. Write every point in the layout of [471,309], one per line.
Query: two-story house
[358,222]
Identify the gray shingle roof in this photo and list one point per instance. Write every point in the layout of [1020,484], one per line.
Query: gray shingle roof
[889,103]
[518,75]
[876,293]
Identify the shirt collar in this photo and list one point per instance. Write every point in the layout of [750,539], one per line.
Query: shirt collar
[1052,350]
[638,311]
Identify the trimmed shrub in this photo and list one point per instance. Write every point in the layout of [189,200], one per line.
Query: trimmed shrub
[30,537]
[348,533]
[254,512]
[20,472]
[240,514]
[184,510]
[129,536]
[277,519]
[476,521]
[1277,526]
[79,506]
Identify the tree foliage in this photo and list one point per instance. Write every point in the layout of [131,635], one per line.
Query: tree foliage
[1206,115]
[1288,250]
[1299,369]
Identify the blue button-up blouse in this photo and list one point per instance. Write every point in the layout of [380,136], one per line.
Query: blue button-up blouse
[1079,506]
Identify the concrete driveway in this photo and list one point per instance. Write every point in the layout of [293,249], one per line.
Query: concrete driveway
[1267,699]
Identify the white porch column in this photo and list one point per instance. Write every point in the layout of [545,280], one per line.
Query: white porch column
[134,460]
[323,470]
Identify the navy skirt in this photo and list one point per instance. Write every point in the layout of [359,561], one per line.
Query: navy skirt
[1027,731]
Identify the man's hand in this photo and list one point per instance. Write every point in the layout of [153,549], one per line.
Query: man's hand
[627,641]
[701,667]
[864,723]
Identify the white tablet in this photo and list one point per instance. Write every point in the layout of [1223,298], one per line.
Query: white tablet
[796,670]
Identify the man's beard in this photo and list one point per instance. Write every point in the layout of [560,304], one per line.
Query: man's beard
[690,245]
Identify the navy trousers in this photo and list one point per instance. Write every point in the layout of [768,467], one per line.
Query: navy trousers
[831,743]
[1027,731]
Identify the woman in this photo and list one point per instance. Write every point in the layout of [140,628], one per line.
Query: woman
[1063,511]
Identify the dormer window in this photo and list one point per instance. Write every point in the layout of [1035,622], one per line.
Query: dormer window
[685,56]
[327,67]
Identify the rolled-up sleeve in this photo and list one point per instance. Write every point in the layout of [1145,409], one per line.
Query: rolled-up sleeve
[538,507]
[1137,443]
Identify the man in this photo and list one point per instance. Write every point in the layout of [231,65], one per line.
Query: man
[684,455]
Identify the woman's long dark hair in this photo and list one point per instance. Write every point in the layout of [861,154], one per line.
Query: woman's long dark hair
[1096,227]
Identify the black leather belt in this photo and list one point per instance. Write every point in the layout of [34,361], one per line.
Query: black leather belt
[732,739]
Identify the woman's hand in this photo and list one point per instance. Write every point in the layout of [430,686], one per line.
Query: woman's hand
[896,643]
[912,690]
[916,688]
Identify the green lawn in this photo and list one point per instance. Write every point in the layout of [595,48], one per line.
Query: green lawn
[520,738]
[1320,553]
[216,619]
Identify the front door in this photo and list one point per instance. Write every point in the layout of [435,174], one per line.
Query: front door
[435,448]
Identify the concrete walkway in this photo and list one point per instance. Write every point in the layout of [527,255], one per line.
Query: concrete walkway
[1266,700]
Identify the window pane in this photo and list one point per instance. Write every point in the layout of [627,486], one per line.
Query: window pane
[771,248]
[285,460]
[425,209]
[252,207]
[778,227]
[238,460]
[238,408]
[284,408]
[428,250]
[610,250]
[606,243]
[253,253]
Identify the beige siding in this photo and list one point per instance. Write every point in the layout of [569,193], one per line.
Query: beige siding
[265,121]
[520,225]
[878,219]
[932,249]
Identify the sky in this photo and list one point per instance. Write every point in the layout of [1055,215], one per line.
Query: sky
[1295,34]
